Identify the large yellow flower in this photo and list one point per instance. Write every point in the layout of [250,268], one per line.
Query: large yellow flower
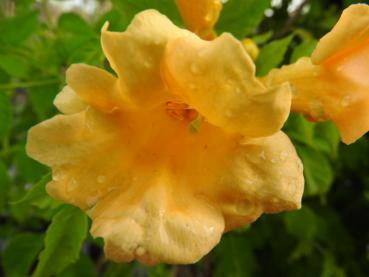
[334,83]
[123,151]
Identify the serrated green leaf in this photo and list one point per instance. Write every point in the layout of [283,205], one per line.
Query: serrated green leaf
[241,17]
[5,115]
[318,171]
[272,55]
[63,241]
[20,253]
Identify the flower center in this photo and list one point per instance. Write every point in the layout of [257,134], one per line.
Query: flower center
[180,111]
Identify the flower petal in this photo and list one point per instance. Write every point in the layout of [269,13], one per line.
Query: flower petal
[200,16]
[264,175]
[351,31]
[335,91]
[95,86]
[156,225]
[218,79]
[136,56]
[68,102]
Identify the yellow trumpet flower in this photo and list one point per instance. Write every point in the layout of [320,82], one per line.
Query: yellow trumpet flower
[333,84]
[123,152]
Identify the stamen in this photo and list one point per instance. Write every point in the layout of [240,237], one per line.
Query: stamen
[180,111]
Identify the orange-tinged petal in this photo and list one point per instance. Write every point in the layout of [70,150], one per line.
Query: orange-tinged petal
[263,175]
[351,31]
[333,84]
[218,79]
[95,86]
[200,16]
[68,102]
[158,224]
[136,54]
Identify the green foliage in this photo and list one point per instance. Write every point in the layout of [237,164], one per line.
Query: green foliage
[20,253]
[272,55]
[40,236]
[63,241]
[241,17]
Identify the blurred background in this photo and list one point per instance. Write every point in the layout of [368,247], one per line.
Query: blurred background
[39,39]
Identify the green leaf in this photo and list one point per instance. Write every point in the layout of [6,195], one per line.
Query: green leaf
[20,253]
[27,169]
[63,241]
[241,17]
[14,65]
[327,138]
[272,55]
[42,98]
[4,186]
[129,8]
[37,193]
[73,23]
[15,30]
[302,224]
[5,115]
[303,50]
[83,267]
[234,257]
[318,171]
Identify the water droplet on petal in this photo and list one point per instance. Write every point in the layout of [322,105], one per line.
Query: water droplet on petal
[211,230]
[283,155]
[262,155]
[346,101]
[201,53]
[140,251]
[101,179]
[195,69]
[229,113]
[273,160]
[192,86]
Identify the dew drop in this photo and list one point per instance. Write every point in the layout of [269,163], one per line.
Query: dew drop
[201,53]
[211,230]
[283,155]
[339,68]
[140,251]
[262,155]
[192,86]
[195,69]
[346,101]
[228,113]
[101,179]
[273,160]
[147,64]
